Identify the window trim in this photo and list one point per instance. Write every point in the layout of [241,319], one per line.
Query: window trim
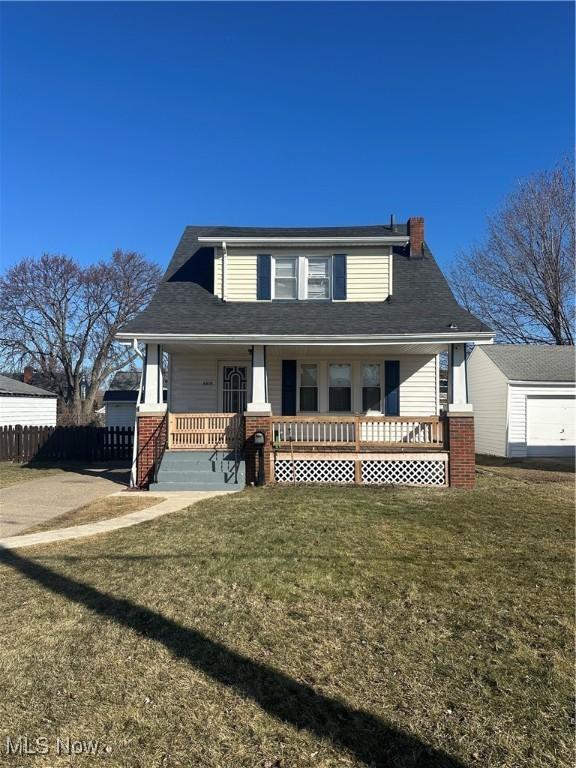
[273,280]
[380,364]
[323,386]
[350,364]
[316,364]
[302,275]
[328,259]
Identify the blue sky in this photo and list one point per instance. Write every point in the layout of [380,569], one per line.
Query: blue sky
[122,123]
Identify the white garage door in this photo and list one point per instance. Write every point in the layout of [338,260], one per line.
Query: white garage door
[550,427]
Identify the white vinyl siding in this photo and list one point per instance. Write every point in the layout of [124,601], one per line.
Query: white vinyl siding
[368,271]
[241,276]
[487,391]
[193,384]
[120,414]
[367,277]
[27,411]
[518,416]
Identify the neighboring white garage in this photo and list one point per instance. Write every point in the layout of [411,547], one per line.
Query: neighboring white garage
[524,399]
[25,405]
[120,399]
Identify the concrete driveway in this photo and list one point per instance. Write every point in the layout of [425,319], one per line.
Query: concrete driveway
[35,501]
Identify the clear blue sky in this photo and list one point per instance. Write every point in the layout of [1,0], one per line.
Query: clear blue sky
[122,123]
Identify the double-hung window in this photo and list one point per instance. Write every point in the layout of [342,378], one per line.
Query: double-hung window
[340,387]
[309,387]
[302,277]
[318,284]
[371,388]
[286,277]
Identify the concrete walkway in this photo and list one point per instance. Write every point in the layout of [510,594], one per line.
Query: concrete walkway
[174,501]
[35,501]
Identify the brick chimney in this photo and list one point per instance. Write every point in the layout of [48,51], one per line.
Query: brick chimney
[28,374]
[416,234]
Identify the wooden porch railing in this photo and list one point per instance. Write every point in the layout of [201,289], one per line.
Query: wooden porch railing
[358,431]
[205,431]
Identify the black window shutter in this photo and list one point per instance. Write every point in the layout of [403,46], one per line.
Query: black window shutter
[288,387]
[263,288]
[392,387]
[339,276]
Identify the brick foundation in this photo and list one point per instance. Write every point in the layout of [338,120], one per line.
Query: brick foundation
[258,423]
[149,428]
[462,460]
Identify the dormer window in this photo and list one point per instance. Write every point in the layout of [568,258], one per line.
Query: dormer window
[286,277]
[296,277]
[318,282]
[302,277]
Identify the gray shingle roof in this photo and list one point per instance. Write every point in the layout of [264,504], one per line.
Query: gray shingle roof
[9,386]
[422,301]
[530,362]
[124,387]
[125,380]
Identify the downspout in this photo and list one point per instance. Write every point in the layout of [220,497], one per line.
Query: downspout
[133,468]
[224,255]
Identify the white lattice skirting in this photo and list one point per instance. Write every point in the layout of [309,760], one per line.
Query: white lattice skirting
[421,471]
[410,472]
[315,471]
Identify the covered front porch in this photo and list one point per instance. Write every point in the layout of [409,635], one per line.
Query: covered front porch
[326,413]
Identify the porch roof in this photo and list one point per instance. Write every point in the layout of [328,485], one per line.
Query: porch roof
[422,304]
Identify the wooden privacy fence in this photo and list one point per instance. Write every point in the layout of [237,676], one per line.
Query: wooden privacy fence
[21,444]
[358,431]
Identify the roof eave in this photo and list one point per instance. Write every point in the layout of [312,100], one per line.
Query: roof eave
[375,240]
[290,339]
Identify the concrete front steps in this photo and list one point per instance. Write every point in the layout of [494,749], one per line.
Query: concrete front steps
[200,471]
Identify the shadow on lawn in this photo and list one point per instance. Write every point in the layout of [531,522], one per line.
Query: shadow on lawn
[367,737]
[116,471]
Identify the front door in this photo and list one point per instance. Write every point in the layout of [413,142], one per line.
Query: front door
[234,388]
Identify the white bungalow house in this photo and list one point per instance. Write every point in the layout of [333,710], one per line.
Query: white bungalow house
[524,399]
[326,340]
[26,405]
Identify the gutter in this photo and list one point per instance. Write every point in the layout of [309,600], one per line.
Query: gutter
[285,339]
[384,240]
[544,383]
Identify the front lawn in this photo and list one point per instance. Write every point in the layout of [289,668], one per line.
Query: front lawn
[296,627]
[98,510]
[12,474]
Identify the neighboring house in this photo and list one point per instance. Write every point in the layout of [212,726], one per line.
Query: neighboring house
[524,400]
[327,340]
[25,404]
[121,397]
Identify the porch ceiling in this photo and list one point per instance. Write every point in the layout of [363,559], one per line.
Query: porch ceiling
[232,351]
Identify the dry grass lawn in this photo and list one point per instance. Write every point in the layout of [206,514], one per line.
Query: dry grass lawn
[101,509]
[303,628]
[12,474]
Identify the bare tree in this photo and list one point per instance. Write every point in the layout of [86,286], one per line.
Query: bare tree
[520,280]
[62,318]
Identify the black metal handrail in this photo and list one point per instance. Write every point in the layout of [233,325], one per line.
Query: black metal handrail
[159,444]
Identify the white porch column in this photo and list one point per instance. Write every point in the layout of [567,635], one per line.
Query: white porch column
[259,402]
[153,386]
[457,385]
